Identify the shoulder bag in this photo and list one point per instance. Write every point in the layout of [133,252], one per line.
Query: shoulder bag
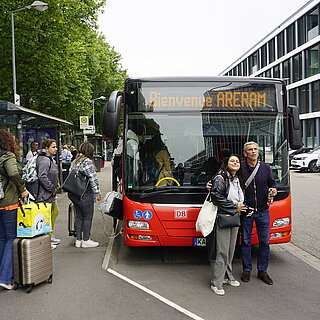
[252,175]
[226,220]
[76,183]
[206,217]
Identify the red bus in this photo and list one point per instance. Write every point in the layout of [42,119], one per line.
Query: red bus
[176,132]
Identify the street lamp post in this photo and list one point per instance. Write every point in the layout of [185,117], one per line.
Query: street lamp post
[36,5]
[93,119]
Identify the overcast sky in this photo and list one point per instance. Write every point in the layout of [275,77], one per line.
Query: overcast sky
[182,37]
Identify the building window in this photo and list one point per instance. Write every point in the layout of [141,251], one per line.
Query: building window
[312,24]
[239,70]
[291,37]
[271,45]
[280,43]
[268,73]
[312,63]
[276,71]
[234,71]
[263,56]
[315,105]
[244,67]
[293,97]
[286,70]
[302,30]
[303,99]
[253,63]
[310,125]
[297,67]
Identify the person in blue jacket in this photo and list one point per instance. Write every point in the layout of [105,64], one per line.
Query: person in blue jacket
[256,196]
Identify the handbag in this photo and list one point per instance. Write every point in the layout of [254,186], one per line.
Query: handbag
[229,220]
[206,218]
[112,205]
[76,183]
[34,219]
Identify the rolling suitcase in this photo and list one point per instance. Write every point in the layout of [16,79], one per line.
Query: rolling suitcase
[32,260]
[71,220]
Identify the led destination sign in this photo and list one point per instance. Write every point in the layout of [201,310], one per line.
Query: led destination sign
[228,100]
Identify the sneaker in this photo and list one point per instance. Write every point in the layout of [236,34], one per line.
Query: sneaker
[78,243]
[53,246]
[233,283]
[8,286]
[219,292]
[246,276]
[55,240]
[262,275]
[89,244]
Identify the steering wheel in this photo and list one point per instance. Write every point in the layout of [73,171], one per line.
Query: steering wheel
[167,178]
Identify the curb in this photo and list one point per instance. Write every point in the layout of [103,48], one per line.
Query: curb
[111,256]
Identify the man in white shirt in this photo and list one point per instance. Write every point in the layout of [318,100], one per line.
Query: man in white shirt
[33,151]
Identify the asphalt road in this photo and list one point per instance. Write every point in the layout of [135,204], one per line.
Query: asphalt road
[306,211]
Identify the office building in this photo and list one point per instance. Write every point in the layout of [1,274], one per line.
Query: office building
[291,52]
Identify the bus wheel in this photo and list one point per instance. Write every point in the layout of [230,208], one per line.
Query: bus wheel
[313,166]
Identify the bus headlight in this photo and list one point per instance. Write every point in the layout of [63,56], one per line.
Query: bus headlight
[138,224]
[281,222]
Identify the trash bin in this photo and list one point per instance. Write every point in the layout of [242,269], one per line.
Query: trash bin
[97,162]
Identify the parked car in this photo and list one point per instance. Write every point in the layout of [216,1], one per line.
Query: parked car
[306,161]
[293,153]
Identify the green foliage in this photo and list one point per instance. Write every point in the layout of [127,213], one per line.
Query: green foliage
[62,61]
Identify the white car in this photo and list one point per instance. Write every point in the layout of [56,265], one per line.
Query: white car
[307,161]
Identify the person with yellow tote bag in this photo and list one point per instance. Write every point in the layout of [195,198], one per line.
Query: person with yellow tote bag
[12,188]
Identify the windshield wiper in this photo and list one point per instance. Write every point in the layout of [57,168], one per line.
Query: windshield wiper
[155,191]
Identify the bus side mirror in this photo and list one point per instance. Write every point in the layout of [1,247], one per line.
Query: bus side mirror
[295,138]
[111,115]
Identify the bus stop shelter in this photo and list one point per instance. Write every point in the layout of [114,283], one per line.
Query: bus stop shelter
[28,125]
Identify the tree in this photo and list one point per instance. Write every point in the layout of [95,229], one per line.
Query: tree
[62,60]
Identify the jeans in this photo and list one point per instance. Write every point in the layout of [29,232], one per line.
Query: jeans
[84,214]
[8,232]
[262,220]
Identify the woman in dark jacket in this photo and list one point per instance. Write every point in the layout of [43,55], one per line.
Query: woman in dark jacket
[13,187]
[48,174]
[227,195]
[85,206]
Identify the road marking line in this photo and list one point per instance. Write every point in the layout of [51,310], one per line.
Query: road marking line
[156,295]
[302,255]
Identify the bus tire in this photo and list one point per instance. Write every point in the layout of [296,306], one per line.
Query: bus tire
[313,166]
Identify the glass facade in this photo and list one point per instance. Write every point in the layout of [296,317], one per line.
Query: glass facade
[297,67]
[300,69]
[280,44]
[312,62]
[313,24]
[291,38]
[303,102]
[286,70]
[315,96]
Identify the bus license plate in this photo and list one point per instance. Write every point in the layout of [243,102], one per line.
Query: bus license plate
[199,242]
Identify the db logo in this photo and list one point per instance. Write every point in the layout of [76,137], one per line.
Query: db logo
[180,214]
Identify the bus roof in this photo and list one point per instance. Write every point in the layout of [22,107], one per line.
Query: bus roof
[204,79]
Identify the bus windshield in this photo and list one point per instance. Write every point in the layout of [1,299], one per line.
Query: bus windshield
[181,142]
